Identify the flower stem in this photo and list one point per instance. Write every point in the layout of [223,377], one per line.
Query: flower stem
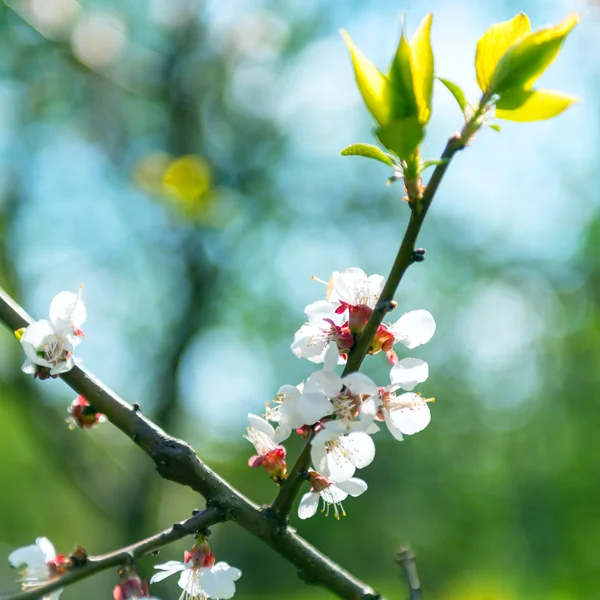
[405,257]
[291,486]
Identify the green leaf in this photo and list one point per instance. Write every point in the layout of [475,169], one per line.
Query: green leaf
[456,91]
[495,127]
[402,136]
[370,151]
[525,61]
[534,105]
[434,163]
[373,86]
[493,45]
[404,103]
[422,68]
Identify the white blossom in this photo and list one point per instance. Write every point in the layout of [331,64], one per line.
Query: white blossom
[49,344]
[200,582]
[330,493]
[354,287]
[36,564]
[413,328]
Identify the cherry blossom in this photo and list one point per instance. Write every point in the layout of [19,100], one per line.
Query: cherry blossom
[330,493]
[39,563]
[269,454]
[49,344]
[405,414]
[351,297]
[338,458]
[323,327]
[200,578]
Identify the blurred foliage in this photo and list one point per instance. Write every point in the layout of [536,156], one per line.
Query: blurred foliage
[180,160]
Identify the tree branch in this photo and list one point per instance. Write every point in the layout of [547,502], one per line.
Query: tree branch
[406,559]
[95,564]
[289,489]
[404,258]
[176,461]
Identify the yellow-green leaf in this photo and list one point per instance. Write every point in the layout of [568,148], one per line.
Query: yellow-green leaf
[402,136]
[369,151]
[493,45]
[372,84]
[457,92]
[525,61]
[422,68]
[403,103]
[535,105]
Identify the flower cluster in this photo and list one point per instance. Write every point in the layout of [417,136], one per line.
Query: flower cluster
[340,413]
[200,578]
[49,343]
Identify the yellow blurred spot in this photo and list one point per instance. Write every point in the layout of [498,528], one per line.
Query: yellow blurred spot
[19,333]
[187,179]
[185,183]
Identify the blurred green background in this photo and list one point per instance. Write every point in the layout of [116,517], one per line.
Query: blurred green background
[180,160]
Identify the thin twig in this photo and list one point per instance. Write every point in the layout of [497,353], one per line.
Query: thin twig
[176,461]
[406,559]
[289,489]
[95,564]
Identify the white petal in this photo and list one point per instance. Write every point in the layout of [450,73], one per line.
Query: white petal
[394,429]
[353,486]
[414,328]
[411,419]
[325,381]
[333,494]
[67,308]
[288,392]
[368,410]
[261,425]
[47,548]
[331,430]
[308,505]
[339,466]
[282,433]
[189,580]
[318,456]
[310,343]
[409,372]
[360,448]
[217,581]
[360,384]
[320,310]
[30,556]
[167,569]
[331,357]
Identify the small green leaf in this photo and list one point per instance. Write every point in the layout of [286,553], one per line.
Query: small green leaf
[493,45]
[526,60]
[372,84]
[422,68]
[495,127]
[456,91]
[370,151]
[404,103]
[402,136]
[535,105]
[434,163]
